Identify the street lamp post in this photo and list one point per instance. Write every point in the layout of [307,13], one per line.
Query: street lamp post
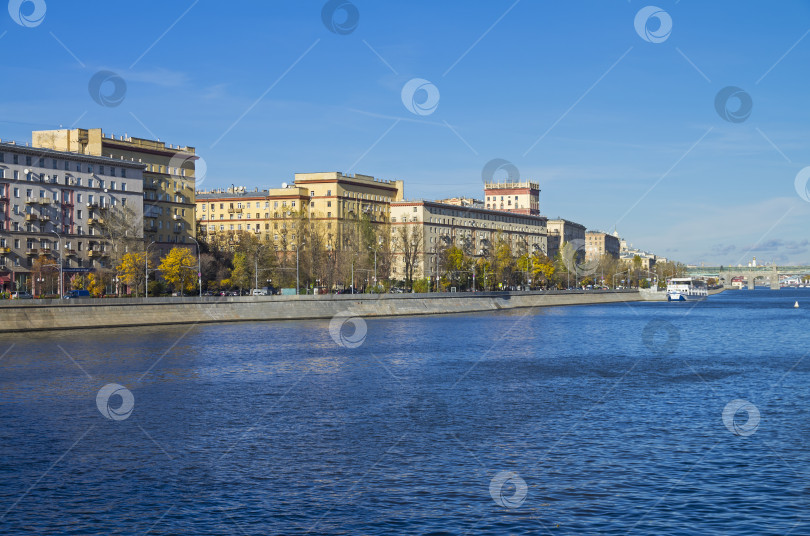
[146,271]
[256,272]
[199,271]
[61,263]
[297,280]
[379,245]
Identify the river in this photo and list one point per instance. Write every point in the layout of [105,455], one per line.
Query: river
[640,418]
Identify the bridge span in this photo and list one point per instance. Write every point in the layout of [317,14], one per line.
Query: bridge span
[726,274]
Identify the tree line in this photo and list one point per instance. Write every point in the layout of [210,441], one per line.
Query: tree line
[325,259]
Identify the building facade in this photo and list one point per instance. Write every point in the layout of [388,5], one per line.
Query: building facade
[562,231]
[647,261]
[598,243]
[168,179]
[517,197]
[432,226]
[52,205]
[338,201]
[271,215]
[333,201]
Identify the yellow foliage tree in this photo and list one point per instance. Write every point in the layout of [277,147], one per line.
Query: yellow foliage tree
[95,285]
[179,268]
[131,270]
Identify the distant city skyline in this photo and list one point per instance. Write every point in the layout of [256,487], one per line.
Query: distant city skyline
[678,126]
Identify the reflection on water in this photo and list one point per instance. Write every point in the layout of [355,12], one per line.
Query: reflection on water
[611,416]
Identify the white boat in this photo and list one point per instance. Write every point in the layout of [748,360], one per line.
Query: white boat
[686,289]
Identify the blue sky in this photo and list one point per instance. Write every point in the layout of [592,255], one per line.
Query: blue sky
[621,132]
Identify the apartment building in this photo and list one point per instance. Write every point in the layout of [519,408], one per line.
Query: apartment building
[598,243]
[438,225]
[168,179]
[52,205]
[333,201]
[338,201]
[271,215]
[562,231]
[521,197]
[647,260]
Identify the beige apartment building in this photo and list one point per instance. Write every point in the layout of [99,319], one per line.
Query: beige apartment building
[332,200]
[598,243]
[562,231]
[647,261]
[168,179]
[438,225]
[52,209]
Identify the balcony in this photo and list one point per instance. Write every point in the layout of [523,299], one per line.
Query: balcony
[44,200]
[31,251]
[31,217]
[5,250]
[70,252]
[95,253]
[32,200]
[235,210]
[95,221]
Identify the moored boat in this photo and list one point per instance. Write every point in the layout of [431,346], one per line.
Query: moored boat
[686,289]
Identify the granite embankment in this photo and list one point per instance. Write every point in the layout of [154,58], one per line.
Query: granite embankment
[36,315]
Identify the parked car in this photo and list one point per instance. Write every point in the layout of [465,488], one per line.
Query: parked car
[71,294]
[21,296]
[264,291]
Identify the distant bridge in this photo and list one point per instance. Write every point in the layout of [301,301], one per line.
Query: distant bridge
[727,273]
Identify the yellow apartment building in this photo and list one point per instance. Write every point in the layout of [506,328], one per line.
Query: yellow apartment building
[331,200]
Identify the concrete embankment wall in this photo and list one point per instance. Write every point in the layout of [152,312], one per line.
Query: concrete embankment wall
[33,315]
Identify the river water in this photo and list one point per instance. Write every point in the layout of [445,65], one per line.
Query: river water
[648,418]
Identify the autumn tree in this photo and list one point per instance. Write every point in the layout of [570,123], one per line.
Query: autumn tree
[542,269]
[178,268]
[131,270]
[121,228]
[45,273]
[96,284]
[240,274]
[408,244]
